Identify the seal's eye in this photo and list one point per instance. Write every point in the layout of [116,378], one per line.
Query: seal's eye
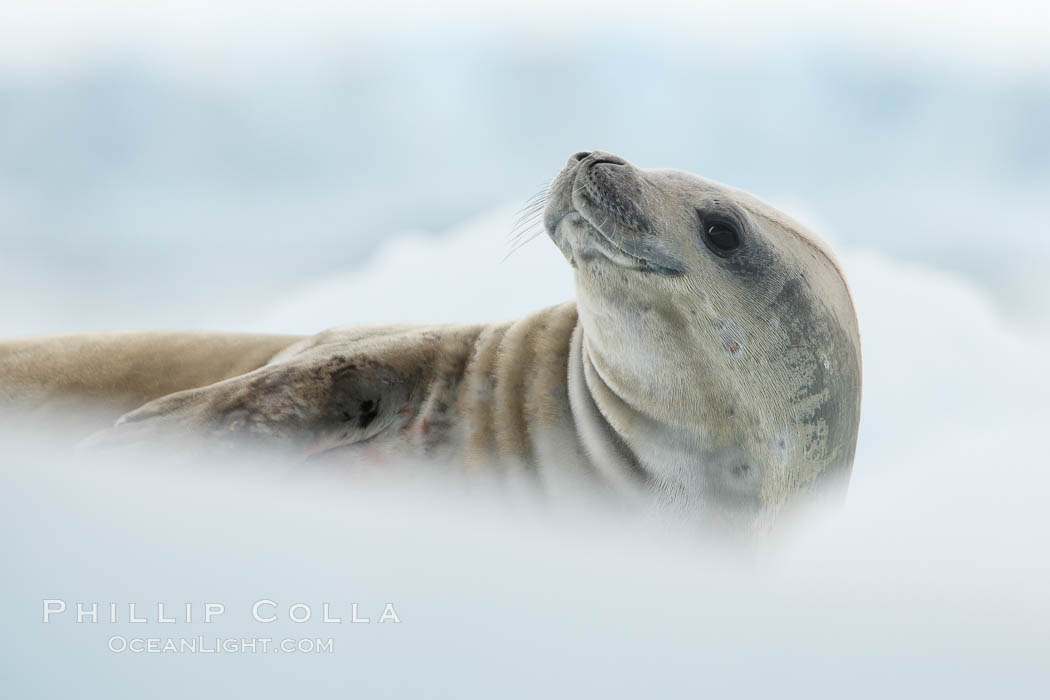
[721,237]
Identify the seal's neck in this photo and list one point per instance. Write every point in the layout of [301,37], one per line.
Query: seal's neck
[599,415]
[633,448]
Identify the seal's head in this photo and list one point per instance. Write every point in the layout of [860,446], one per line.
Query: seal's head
[719,337]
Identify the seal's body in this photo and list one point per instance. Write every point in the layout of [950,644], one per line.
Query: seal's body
[710,363]
[85,381]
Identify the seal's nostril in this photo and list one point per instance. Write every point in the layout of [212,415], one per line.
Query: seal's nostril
[577,157]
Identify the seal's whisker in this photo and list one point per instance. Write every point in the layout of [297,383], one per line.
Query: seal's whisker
[526,216]
[516,245]
[535,199]
[522,244]
[529,211]
[521,230]
[527,228]
[619,234]
[526,220]
[538,199]
[523,225]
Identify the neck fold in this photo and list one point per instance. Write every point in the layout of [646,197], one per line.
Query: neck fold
[595,409]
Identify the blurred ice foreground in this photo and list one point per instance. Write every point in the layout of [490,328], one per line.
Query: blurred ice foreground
[928,585]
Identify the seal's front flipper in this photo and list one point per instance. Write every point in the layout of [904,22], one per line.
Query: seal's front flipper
[296,407]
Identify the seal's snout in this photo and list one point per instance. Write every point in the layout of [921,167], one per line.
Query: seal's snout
[600,197]
[608,188]
[595,157]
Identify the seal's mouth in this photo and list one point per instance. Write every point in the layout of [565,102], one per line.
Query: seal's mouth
[593,212]
[588,241]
